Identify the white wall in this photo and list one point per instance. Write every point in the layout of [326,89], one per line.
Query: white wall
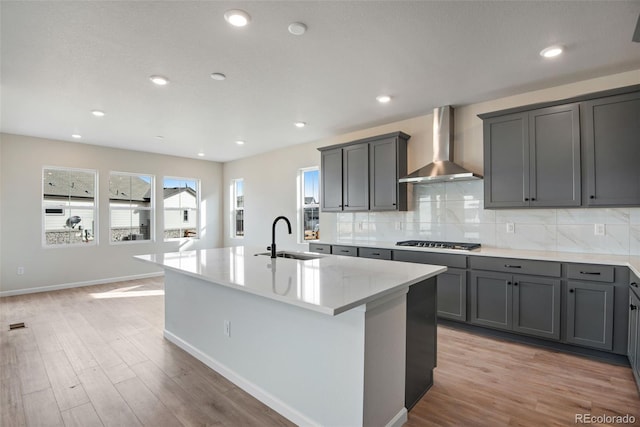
[21,161]
[270,190]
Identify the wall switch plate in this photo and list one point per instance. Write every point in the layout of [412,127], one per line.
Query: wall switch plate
[20,271]
[398,226]
[598,229]
[227,328]
[511,227]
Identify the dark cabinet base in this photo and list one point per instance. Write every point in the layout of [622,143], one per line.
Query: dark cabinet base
[421,340]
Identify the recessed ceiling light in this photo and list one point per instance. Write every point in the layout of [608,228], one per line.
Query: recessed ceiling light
[201,154]
[76,136]
[300,124]
[218,76]
[237,17]
[159,137]
[98,113]
[297,28]
[551,51]
[240,142]
[383,99]
[159,80]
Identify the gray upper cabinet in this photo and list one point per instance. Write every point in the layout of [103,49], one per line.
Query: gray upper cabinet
[387,157]
[506,161]
[554,156]
[331,177]
[611,131]
[355,177]
[532,159]
[363,175]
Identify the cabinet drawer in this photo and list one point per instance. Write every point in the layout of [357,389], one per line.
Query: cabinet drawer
[595,273]
[374,253]
[449,260]
[320,248]
[344,250]
[518,266]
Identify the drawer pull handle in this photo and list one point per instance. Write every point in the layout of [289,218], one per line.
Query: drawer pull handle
[345,250]
[512,266]
[633,307]
[375,253]
[593,273]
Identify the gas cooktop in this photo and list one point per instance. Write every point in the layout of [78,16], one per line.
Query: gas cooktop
[440,245]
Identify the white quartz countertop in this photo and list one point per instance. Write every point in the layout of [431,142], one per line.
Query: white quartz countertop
[633,261]
[330,284]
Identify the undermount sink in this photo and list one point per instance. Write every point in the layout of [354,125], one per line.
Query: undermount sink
[292,255]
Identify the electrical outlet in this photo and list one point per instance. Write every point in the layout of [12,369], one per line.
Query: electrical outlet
[227,328]
[20,271]
[398,226]
[511,227]
[598,229]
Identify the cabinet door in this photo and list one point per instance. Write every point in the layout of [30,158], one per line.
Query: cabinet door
[590,314]
[632,341]
[331,180]
[383,171]
[612,141]
[554,156]
[452,294]
[355,185]
[536,306]
[491,295]
[506,161]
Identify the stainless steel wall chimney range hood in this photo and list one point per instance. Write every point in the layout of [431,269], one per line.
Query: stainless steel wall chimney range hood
[442,168]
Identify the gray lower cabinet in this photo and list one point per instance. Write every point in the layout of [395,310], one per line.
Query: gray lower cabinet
[590,314]
[320,248]
[525,304]
[611,127]
[633,349]
[452,294]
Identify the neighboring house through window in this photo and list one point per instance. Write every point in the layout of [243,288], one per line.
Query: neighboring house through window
[309,196]
[237,200]
[68,206]
[181,207]
[131,207]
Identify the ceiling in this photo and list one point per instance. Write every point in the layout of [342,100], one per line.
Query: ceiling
[60,60]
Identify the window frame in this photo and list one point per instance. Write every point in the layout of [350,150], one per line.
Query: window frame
[151,209]
[43,214]
[234,208]
[302,205]
[181,209]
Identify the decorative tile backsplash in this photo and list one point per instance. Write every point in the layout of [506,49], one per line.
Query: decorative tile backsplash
[454,211]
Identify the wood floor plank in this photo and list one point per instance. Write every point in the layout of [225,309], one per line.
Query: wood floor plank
[33,375]
[149,410]
[109,405]
[81,416]
[65,384]
[41,409]
[11,407]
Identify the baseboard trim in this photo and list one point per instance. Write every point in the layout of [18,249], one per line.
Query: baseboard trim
[79,284]
[399,419]
[246,385]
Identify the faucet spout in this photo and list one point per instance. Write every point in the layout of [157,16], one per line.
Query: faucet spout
[273,233]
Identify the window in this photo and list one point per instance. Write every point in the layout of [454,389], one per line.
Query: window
[181,207]
[309,203]
[237,203]
[68,206]
[130,206]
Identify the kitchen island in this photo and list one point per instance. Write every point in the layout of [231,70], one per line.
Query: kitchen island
[321,340]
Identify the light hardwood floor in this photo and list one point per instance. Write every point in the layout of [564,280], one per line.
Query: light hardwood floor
[95,356]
